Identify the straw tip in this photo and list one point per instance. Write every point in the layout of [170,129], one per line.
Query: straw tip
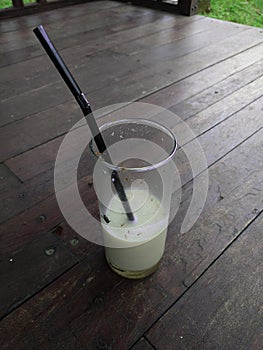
[38,28]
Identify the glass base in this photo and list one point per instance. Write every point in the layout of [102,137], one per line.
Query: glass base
[133,274]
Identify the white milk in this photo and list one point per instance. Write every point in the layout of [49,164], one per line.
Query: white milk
[140,243]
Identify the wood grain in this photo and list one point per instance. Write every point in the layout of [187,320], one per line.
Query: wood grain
[29,269]
[186,258]
[142,344]
[207,71]
[223,304]
[7,178]
[233,89]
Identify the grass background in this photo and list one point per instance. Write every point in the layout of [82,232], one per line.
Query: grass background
[8,3]
[249,12]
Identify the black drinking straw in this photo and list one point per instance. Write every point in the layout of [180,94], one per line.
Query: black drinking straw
[85,107]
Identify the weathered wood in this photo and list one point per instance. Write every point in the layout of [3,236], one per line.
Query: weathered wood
[188,7]
[45,215]
[36,161]
[223,309]
[43,157]
[83,23]
[203,79]
[90,37]
[40,66]
[87,306]
[35,8]
[7,178]
[121,65]
[165,37]
[134,304]
[32,131]
[142,344]
[172,70]
[243,86]
[185,7]
[222,138]
[219,138]
[226,172]
[28,270]
[9,25]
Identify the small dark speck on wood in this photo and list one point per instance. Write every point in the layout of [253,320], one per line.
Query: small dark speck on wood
[41,218]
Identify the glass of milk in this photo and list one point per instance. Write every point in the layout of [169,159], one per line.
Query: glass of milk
[141,154]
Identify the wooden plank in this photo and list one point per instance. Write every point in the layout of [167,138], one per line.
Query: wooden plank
[43,157]
[239,102]
[28,270]
[9,25]
[32,131]
[113,32]
[193,84]
[90,46]
[146,299]
[151,82]
[42,217]
[199,34]
[22,228]
[226,167]
[84,25]
[34,8]
[223,304]
[93,83]
[79,309]
[10,40]
[45,215]
[31,192]
[7,178]
[220,138]
[245,82]
[173,70]
[177,32]
[25,195]
[135,304]
[142,344]
[93,298]
[119,64]
[41,76]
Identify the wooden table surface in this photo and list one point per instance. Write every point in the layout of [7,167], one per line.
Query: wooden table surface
[57,291]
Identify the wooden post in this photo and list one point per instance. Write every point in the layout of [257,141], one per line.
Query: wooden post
[18,3]
[41,1]
[188,7]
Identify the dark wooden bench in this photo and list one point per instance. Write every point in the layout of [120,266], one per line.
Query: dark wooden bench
[185,7]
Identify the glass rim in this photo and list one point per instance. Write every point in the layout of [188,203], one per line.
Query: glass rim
[136,121]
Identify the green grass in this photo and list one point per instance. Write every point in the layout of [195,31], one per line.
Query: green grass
[8,3]
[249,12]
